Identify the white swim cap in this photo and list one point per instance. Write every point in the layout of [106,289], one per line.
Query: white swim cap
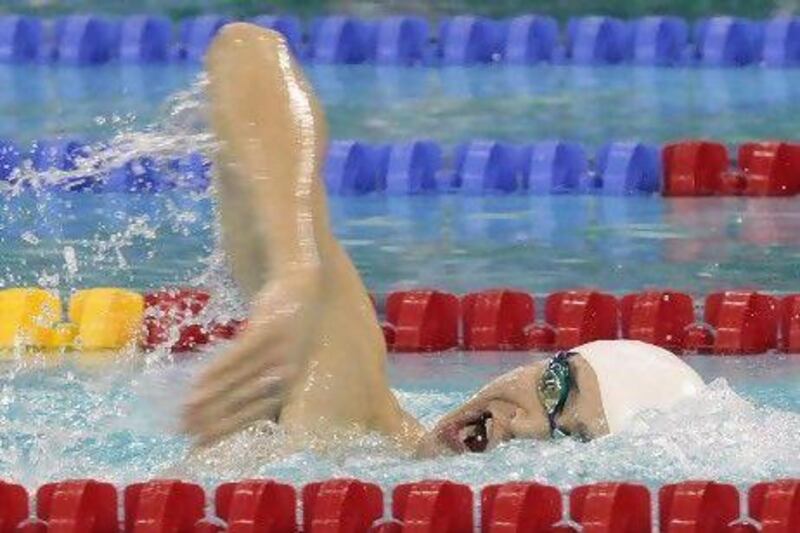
[635,376]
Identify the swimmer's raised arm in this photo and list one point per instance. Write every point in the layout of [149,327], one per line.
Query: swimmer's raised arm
[272,137]
[313,355]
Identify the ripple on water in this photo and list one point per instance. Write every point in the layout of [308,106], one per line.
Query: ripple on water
[119,424]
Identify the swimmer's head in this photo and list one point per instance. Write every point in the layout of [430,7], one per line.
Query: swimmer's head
[592,392]
[511,408]
[634,376]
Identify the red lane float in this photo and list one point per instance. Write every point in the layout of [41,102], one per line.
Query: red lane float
[387,527]
[205,526]
[660,318]
[433,507]
[745,322]
[31,526]
[611,508]
[341,506]
[256,506]
[701,168]
[697,507]
[172,319]
[349,505]
[790,323]
[175,310]
[699,339]
[423,320]
[776,505]
[693,168]
[770,168]
[579,317]
[496,319]
[765,169]
[540,337]
[520,506]
[13,506]
[80,506]
[163,506]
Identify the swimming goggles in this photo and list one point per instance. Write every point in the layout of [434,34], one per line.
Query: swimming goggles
[553,389]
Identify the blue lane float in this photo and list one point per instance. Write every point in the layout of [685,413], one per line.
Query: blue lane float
[287,26]
[401,41]
[9,159]
[467,40]
[340,39]
[145,39]
[726,42]
[20,38]
[757,35]
[356,168]
[404,40]
[782,42]
[660,41]
[58,154]
[628,168]
[192,172]
[486,167]
[77,183]
[86,40]
[598,40]
[530,39]
[553,167]
[196,35]
[412,168]
[138,175]
[350,168]
[62,155]
[380,154]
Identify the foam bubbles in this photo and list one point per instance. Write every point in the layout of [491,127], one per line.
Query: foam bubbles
[119,424]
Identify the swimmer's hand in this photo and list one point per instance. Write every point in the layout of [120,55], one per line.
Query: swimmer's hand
[251,380]
[271,138]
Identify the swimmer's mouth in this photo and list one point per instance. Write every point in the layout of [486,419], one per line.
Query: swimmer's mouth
[472,437]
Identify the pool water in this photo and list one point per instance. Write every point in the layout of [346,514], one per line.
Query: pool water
[116,421]
[537,243]
[116,418]
[449,105]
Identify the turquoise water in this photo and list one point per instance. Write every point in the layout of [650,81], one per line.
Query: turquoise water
[541,244]
[591,105]
[116,420]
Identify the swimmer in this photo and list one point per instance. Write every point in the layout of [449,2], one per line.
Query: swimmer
[313,359]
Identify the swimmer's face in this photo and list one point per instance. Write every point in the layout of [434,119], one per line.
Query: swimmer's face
[509,408]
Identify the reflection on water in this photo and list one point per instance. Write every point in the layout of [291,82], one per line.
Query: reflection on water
[548,243]
[590,105]
[539,243]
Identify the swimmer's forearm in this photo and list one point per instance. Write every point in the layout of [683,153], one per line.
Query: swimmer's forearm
[296,234]
[272,141]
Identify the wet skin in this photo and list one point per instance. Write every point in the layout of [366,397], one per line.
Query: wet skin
[509,408]
[313,358]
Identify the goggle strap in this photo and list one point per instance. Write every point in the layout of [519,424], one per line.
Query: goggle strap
[559,359]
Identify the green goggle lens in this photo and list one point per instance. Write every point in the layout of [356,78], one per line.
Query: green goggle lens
[554,385]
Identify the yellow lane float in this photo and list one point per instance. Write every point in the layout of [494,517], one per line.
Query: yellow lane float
[99,319]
